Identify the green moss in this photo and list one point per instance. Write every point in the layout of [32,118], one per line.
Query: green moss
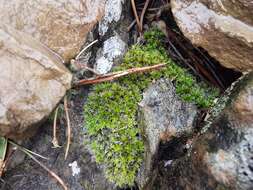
[111,109]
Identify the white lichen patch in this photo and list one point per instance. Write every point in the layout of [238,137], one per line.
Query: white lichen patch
[113,10]
[75,169]
[113,48]
[103,65]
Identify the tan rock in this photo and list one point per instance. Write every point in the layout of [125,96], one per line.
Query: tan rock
[241,10]
[61,25]
[33,80]
[223,28]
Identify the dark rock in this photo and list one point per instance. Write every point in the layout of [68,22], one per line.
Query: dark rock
[164,119]
[221,157]
[79,171]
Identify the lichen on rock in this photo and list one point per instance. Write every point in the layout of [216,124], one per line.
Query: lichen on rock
[113,49]
[113,10]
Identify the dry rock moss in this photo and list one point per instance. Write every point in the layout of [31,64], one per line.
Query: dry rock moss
[111,109]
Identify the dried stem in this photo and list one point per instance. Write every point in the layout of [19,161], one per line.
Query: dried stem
[54,175]
[7,160]
[79,66]
[68,126]
[143,13]
[136,16]
[55,140]
[115,75]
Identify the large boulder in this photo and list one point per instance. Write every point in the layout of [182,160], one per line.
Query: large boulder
[32,82]
[221,157]
[224,28]
[163,118]
[61,25]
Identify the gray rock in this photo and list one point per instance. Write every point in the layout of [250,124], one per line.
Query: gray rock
[224,28]
[221,157]
[32,82]
[163,117]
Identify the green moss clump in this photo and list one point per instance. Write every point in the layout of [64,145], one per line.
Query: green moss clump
[111,109]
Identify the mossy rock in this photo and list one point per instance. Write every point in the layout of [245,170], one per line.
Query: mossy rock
[111,109]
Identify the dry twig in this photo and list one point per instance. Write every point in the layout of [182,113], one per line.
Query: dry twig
[136,16]
[115,75]
[68,126]
[143,13]
[54,175]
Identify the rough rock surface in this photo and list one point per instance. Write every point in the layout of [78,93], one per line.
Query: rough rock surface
[32,82]
[221,157]
[79,171]
[61,25]
[163,118]
[224,28]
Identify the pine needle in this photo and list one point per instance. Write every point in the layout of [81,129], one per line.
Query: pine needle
[68,126]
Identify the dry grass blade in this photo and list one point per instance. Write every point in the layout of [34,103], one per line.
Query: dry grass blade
[116,75]
[27,150]
[68,126]
[3,148]
[84,49]
[54,175]
[55,140]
